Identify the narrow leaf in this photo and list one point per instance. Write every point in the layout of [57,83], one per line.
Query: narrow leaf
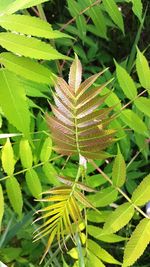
[138,242]
[8,161]
[104,197]
[14,194]
[143,70]
[114,13]
[119,170]
[29,47]
[13,101]
[33,183]
[27,68]
[25,153]
[141,195]
[119,218]
[126,82]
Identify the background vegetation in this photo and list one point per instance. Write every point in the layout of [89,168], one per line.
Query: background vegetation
[114,225]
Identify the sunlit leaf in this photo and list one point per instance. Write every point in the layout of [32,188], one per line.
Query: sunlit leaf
[119,170]
[8,161]
[141,195]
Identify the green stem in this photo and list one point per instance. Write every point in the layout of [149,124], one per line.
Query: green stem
[80,251]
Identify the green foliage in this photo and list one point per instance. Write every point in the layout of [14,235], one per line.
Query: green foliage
[92,200]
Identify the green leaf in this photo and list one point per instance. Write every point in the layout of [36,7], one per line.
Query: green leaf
[137,8]
[33,183]
[30,25]
[119,170]
[141,195]
[100,252]
[98,19]
[114,13]
[1,205]
[99,234]
[46,149]
[27,68]
[126,82]
[25,153]
[112,99]
[143,104]
[97,217]
[50,173]
[104,197]
[130,118]
[13,101]
[93,260]
[8,161]
[14,194]
[20,4]
[138,242]
[29,47]
[143,70]
[119,218]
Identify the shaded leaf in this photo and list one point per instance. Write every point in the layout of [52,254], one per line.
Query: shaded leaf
[33,183]
[8,161]
[25,153]
[119,170]
[46,149]
[14,194]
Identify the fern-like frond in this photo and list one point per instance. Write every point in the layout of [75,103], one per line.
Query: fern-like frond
[78,125]
[62,216]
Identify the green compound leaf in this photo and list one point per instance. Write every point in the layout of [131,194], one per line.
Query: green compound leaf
[13,101]
[30,25]
[29,47]
[141,195]
[25,153]
[126,82]
[119,218]
[14,194]
[119,170]
[143,70]
[143,104]
[138,242]
[114,13]
[33,183]
[1,205]
[27,68]
[130,118]
[8,161]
